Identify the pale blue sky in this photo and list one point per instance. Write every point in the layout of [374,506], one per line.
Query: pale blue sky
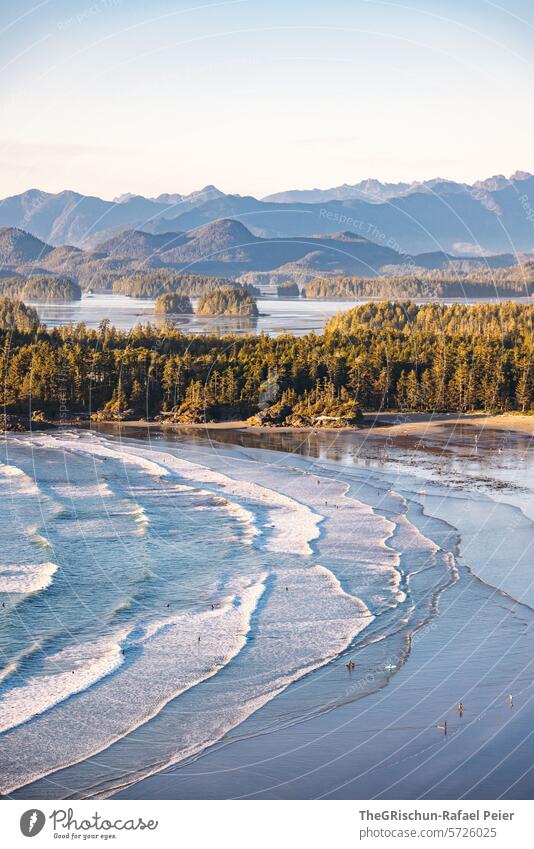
[109,96]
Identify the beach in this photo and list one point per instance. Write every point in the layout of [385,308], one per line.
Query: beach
[408,556]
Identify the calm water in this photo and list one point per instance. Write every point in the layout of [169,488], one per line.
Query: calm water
[297,316]
[277,316]
[160,593]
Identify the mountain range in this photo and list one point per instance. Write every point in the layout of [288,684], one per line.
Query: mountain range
[491,216]
[220,248]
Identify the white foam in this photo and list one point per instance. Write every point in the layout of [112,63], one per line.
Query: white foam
[297,629]
[307,622]
[70,490]
[19,482]
[10,668]
[171,660]
[243,516]
[64,673]
[21,578]
[294,525]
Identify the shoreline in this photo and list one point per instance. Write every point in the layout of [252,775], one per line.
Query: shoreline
[379,424]
[366,744]
[386,743]
[375,425]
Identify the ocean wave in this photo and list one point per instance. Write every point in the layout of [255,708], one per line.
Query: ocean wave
[308,621]
[37,538]
[18,482]
[22,578]
[64,673]
[169,659]
[13,665]
[241,515]
[71,490]
[292,525]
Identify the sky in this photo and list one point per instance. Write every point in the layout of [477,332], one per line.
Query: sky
[257,96]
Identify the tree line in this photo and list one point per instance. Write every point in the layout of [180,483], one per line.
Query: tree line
[152,284]
[376,356]
[492,283]
[41,288]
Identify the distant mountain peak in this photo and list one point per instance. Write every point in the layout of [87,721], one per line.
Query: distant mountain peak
[124,198]
[172,198]
[227,228]
[440,212]
[17,246]
[342,236]
[521,175]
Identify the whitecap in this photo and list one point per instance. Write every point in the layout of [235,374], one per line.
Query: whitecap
[22,578]
[64,673]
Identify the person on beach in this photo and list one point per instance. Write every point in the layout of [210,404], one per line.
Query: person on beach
[460,709]
[510,700]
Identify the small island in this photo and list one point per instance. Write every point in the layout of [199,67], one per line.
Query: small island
[48,289]
[289,289]
[172,303]
[228,300]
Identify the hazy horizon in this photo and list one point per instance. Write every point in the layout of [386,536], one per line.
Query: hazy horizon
[113,97]
[288,188]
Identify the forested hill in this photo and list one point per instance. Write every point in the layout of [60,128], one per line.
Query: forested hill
[222,249]
[483,283]
[374,357]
